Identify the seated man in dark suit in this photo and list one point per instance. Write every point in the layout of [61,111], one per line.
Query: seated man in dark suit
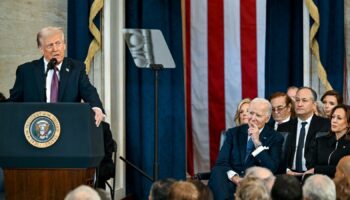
[254,144]
[64,80]
[302,131]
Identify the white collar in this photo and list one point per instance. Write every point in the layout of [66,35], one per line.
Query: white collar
[58,66]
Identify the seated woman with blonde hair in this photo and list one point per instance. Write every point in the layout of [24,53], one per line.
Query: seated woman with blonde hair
[241,116]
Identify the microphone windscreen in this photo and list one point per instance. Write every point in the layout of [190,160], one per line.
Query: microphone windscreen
[52,63]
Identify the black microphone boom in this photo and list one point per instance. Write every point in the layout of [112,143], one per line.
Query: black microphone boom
[51,65]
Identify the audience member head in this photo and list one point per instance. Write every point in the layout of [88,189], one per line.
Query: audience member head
[330,99]
[252,188]
[183,190]
[51,43]
[204,191]
[291,92]
[82,192]
[2,97]
[305,102]
[340,120]
[320,110]
[242,114]
[342,178]
[317,187]
[160,189]
[282,106]
[263,174]
[287,188]
[259,112]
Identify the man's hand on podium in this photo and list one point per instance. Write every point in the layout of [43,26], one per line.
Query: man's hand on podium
[99,116]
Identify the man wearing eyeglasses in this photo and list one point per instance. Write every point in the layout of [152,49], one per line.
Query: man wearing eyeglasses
[302,132]
[281,108]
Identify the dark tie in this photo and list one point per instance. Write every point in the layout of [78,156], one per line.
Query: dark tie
[54,87]
[250,148]
[299,156]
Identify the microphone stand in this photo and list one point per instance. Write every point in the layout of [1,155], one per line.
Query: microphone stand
[156,68]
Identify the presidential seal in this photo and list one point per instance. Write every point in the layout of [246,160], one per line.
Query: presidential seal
[42,129]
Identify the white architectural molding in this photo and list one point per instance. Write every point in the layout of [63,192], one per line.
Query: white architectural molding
[114,81]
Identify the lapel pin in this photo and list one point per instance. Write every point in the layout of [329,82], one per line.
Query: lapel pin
[264,138]
[67,69]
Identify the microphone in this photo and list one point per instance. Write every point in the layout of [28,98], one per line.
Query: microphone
[51,65]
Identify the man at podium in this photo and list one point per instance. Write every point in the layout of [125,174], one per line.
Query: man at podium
[54,78]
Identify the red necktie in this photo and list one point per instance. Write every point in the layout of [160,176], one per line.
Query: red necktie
[54,87]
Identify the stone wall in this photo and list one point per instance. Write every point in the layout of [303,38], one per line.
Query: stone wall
[20,20]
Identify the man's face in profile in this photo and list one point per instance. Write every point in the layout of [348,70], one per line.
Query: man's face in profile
[53,46]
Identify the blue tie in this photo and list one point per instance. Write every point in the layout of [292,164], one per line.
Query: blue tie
[250,148]
[299,156]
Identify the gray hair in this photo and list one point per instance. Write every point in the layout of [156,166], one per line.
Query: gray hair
[319,187]
[82,192]
[48,31]
[264,101]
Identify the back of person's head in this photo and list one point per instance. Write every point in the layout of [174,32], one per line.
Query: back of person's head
[183,190]
[286,188]
[342,178]
[160,189]
[82,192]
[320,109]
[204,191]
[252,188]
[261,173]
[319,187]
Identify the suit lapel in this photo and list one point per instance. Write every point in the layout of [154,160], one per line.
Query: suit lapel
[264,135]
[243,138]
[311,131]
[39,74]
[64,76]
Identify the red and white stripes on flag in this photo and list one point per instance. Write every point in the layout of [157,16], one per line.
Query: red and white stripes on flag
[225,62]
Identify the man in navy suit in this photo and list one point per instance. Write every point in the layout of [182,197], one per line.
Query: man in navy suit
[254,144]
[305,106]
[34,81]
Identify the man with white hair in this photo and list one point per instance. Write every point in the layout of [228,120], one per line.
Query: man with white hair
[83,192]
[318,187]
[261,173]
[253,144]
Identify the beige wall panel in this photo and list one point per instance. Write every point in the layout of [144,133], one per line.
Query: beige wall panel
[20,20]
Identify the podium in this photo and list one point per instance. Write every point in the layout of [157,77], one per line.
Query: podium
[45,160]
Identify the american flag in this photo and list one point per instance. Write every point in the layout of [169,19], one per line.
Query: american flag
[225,62]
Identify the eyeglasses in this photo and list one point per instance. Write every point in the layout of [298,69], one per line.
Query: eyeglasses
[279,108]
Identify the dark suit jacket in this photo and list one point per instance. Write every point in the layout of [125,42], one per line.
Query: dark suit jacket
[328,153]
[74,84]
[233,152]
[317,124]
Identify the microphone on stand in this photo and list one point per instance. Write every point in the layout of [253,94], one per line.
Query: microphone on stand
[51,65]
